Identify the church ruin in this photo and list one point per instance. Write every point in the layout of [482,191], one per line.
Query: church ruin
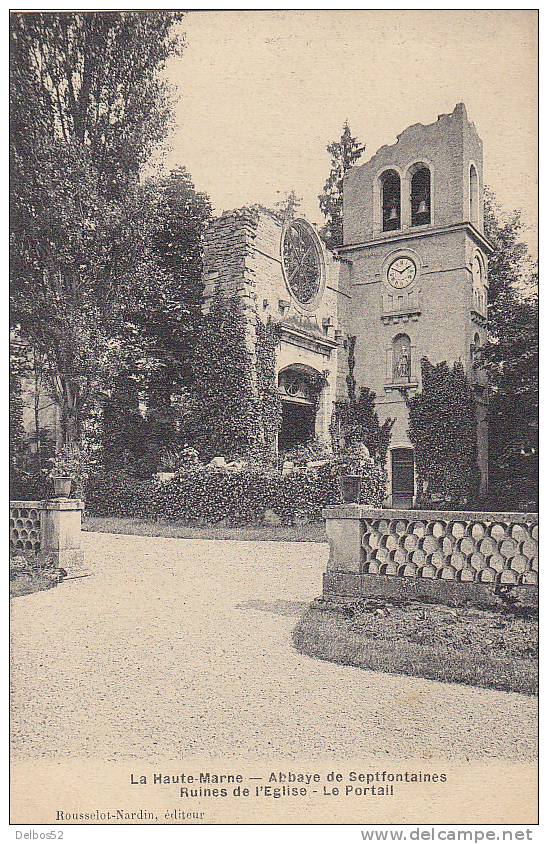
[409,281]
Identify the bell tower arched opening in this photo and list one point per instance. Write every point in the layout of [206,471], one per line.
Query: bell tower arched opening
[473,195]
[420,197]
[391,201]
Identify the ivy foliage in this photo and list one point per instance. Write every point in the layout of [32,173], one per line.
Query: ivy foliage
[442,429]
[355,420]
[201,494]
[235,408]
[267,337]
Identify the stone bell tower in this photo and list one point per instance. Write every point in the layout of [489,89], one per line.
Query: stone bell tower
[414,263]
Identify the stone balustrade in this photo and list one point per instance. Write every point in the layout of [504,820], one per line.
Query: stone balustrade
[479,549]
[49,531]
[25,527]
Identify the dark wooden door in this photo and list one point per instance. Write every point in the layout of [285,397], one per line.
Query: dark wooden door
[403,478]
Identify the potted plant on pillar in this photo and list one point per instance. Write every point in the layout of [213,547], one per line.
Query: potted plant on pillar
[68,469]
[353,463]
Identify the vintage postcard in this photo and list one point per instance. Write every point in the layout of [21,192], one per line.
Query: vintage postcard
[274,417]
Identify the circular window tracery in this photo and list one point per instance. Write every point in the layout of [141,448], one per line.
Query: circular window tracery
[295,385]
[301,261]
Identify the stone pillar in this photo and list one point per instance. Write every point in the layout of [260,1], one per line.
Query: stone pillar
[345,531]
[61,534]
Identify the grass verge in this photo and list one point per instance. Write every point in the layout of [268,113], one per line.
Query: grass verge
[313,532]
[485,648]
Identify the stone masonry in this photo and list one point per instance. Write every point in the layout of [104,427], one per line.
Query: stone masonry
[440,314]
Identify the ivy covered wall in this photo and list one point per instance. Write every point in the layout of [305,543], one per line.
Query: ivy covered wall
[443,432]
[235,407]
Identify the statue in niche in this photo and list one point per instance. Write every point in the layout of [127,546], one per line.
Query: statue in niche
[403,364]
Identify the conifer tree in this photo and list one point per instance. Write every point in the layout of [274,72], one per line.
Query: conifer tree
[344,153]
[287,207]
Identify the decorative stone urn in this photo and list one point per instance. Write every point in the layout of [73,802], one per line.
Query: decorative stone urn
[351,487]
[62,485]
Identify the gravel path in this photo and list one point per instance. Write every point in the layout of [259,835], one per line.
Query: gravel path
[183,647]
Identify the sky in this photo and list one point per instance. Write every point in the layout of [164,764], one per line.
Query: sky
[261,94]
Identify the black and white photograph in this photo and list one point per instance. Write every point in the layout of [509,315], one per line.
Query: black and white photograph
[273,406]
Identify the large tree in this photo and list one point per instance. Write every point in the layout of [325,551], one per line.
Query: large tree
[88,106]
[344,153]
[168,306]
[510,357]
[162,326]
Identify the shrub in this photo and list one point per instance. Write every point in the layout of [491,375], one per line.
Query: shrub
[314,449]
[355,420]
[202,494]
[443,431]
[29,486]
[121,494]
[23,567]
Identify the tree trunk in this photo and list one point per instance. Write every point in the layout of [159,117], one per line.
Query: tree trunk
[37,384]
[71,427]
[71,409]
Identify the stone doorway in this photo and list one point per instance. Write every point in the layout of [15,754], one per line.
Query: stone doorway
[403,478]
[298,409]
[298,425]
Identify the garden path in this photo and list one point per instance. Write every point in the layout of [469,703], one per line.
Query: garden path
[183,647]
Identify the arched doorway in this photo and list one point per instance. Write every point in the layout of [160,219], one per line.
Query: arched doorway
[298,391]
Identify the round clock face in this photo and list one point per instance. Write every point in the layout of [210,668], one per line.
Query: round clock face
[301,261]
[401,272]
[477,270]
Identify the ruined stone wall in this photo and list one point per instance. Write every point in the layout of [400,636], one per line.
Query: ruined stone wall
[242,257]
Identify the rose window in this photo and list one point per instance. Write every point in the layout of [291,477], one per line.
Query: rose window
[301,261]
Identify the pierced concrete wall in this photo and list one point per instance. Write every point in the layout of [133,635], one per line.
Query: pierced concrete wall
[50,532]
[467,549]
